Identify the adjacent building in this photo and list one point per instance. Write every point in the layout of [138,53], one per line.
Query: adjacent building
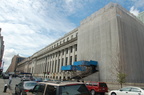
[15,60]
[112,36]
[1,52]
[141,16]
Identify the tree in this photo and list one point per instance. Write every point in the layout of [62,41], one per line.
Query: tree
[121,78]
[117,68]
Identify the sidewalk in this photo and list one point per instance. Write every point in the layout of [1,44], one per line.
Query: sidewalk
[8,92]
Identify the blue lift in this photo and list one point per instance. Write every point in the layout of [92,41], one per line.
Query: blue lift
[79,65]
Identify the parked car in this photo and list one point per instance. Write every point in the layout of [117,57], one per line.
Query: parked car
[20,76]
[129,90]
[97,87]
[46,80]
[23,87]
[5,76]
[60,88]
[37,79]
[26,78]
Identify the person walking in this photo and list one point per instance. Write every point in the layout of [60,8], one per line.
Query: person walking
[10,79]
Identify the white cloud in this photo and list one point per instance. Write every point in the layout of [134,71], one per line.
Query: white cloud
[134,11]
[29,25]
[139,3]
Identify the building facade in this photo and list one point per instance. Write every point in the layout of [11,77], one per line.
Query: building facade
[49,60]
[1,52]
[111,36]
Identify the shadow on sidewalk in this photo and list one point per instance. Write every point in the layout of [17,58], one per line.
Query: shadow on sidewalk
[9,87]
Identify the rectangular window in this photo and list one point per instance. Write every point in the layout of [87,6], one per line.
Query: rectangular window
[75,57]
[71,60]
[58,64]
[59,53]
[66,60]
[66,50]
[50,90]
[78,89]
[62,52]
[62,61]
[71,49]
[75,47]
[53,66]
[40,89]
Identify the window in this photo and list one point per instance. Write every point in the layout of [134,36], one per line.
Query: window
[95,84]
[48,66]
[76,34]
[52,66]
[125,89]
[71,36]
[102,84]
[66,60]
[71,49]
[30,84]
[74,90]
[71,60]
[67,38]
[20,84]
[135,90]
[66,50]
[62,52]
[75,47]
[58,64]
[55,66]
[50,90]
[39,89]
[75,57]
[62,61]
[59,53]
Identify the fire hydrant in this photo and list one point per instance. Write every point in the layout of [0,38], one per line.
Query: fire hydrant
[5,87]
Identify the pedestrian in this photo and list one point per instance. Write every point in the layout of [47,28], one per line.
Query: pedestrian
[10,79]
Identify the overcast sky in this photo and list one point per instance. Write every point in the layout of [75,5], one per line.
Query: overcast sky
[30,25]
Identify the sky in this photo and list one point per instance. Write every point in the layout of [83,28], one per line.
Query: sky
[30,25]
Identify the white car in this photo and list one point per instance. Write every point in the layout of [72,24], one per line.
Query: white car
[129,90]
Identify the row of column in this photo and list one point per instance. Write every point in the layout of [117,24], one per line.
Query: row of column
[53,62]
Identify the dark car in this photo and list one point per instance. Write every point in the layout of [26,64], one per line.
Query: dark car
[23,87]
[5,76]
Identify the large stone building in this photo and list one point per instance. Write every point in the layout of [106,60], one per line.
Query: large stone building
[1,51]
[111,36]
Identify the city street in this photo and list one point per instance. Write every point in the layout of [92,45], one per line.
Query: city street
[11,90]
[13,83]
